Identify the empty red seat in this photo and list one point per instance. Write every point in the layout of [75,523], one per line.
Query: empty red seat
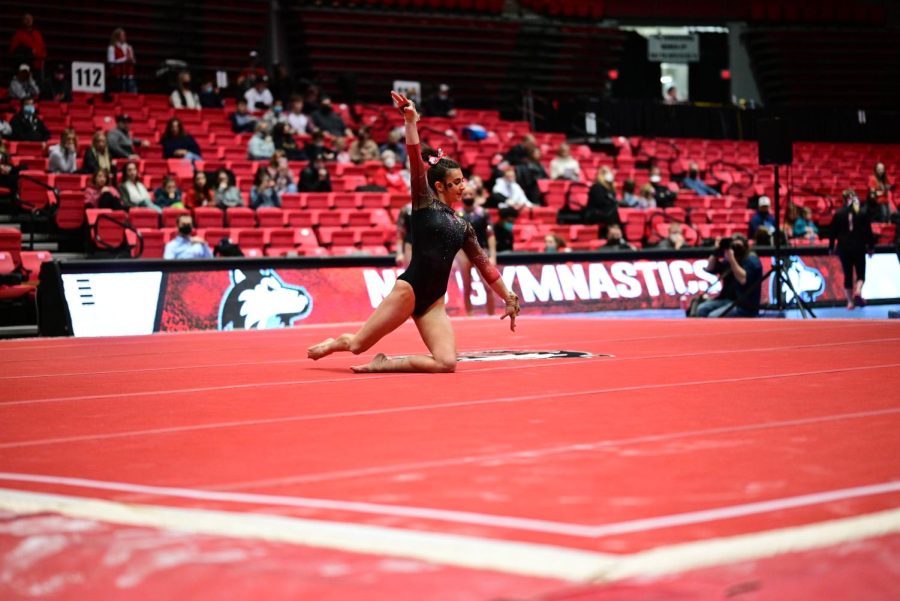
[32,261]
[11,291]
[170,216]
[374,200]
[34,192]
[337,236]
[300,218]
[370,237]
[345,200]
[154,244]
[242,217]
[107,228]
[292,200]
[271,217]
[70,212]
[317,200]
[330,218]
[11,242]
[143,218]
[209,217]
[250,238]
[214,235]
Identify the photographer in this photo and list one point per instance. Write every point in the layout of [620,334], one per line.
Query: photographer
[741,273]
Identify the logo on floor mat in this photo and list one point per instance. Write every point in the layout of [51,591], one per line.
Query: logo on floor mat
[525,355]
[259,300]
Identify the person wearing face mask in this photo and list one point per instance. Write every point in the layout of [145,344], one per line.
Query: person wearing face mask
[504,230]
[275,115]
[664,196]
[741,273]
[325,118]
[440,104]
[27,126]
[63,155]
[481,223]
[602,206]
[185,246]
[694,182]
[315,177]
[762,218]
[182,96]
[395,144]
[209,96]
[851,230]
[261,147]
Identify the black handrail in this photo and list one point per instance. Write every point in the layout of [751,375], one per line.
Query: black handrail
[95,234]
[32,208]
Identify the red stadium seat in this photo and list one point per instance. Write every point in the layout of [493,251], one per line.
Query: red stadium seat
[270,217]
[70,212]
[32,261]
[205,217]
[242,216]
[11,242]
[170,216]
[143,218]
[301,218]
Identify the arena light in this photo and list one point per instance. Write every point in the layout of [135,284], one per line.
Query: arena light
[613,74]
[725,74]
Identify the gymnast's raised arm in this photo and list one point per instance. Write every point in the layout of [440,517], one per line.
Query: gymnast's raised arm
[418,182]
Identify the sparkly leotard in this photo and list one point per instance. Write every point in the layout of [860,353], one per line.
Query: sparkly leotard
[438,233]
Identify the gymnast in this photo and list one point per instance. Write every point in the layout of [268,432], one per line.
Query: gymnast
[438,233]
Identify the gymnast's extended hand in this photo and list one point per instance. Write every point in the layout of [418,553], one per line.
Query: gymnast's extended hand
[406,107]
[512,310]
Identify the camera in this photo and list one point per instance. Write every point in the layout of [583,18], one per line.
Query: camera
[724,244]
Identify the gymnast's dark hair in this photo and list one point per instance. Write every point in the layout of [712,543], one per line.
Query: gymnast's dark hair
[438,171]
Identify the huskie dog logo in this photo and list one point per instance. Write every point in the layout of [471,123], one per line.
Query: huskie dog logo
[525,355]
[260,300]
[807,281]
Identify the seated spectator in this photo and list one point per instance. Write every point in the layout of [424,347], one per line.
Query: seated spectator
[296,118]
[63,156]
[101,194]
[5,128]
[210,96]
[168,195]
[133,191]
[27,126]
[510,190]
[97,156]
[249,74]
[504,229]
[528,173]
[341,156]
[481,194]
[647,197]
[675,239]
[22,85]
[762,238]
[315,177]
[282,83]
[385,177]
[121,144]
[283,139]
[259,98]
[664,196]
[805,227]
[176,143]
[520,151]
[275,115]
[762,218]
[741,273]
[396,145]
[564,165]
[263,193]
[227,194]
[27,45]
[242,121]
[184,245]
[281,173]
[316,148]
[9,173]
[440,104]
[261,147]
[555,244]
[328,120]
[200,194]
[602,206]
[364,147]
[881,193]
[629,198]
[120,56]
[182,96]
[694,182]
[615,241]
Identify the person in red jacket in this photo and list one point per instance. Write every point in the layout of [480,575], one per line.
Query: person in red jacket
[28,38]
[120,56]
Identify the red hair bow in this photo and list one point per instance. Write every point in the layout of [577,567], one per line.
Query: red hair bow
[436,160]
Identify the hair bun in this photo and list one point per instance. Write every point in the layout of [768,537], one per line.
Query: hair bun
[428,152]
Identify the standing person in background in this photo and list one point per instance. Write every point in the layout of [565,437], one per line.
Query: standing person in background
[182,97]
[440,104]
[27,45]
[121,144]
[63,156]
[404,235]
[881,195]
[851,228]
[481,223]
[120,56]
[504,231]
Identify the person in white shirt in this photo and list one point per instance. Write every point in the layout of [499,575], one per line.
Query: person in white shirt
[564,165]
[298,121]
[63,156]
[259,98]
[183,97]
[509,188]
[120,56]
[261,147]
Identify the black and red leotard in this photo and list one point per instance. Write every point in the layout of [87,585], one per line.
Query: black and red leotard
[438,233]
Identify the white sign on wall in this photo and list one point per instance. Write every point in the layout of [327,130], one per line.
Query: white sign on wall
[88,77]
[673,48]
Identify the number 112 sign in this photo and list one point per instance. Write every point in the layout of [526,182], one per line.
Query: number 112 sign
[88,77]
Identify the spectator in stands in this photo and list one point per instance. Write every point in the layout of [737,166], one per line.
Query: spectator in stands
[185,246]
[881,192]
[615,241]
[328,120]
[22,85]
[58,88]
[364,148]
[100,193]
[312,99]
[27,45]
[63,156]
[254,70]
[396,145]
[675,239]
[647,198]
[403,245]
[227,194]
[602,206]
[121,144]
[762,238]
[481,195]
[120,56]
[693,181]
[275,115]
[440,104]
[168,195]
[176,143]
[480,221]
[805,227]
[259,98]
[282,84]
[5,128]
[316,148]
[183,97]
[210,96]
[392,171]
[315,177]
[97,156]
[629,198]
[27,126]
[133,191]
[263,192]
[281,173]
[528,174]
[242,121]
[741,273]
[564,165]
[283,139]
[9,173]
[520,151]
[296,118]
[851,229]
[504,230]
[762,218]
[664,196]
[200,194]
[261,147]
[512,193]
[555,244]
[671,95]
[341,155]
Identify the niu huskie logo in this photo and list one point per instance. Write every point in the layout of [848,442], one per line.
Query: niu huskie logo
[260,300]
[807,281]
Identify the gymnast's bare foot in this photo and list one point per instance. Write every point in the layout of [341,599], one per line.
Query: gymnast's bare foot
[376,364]
[323,349]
